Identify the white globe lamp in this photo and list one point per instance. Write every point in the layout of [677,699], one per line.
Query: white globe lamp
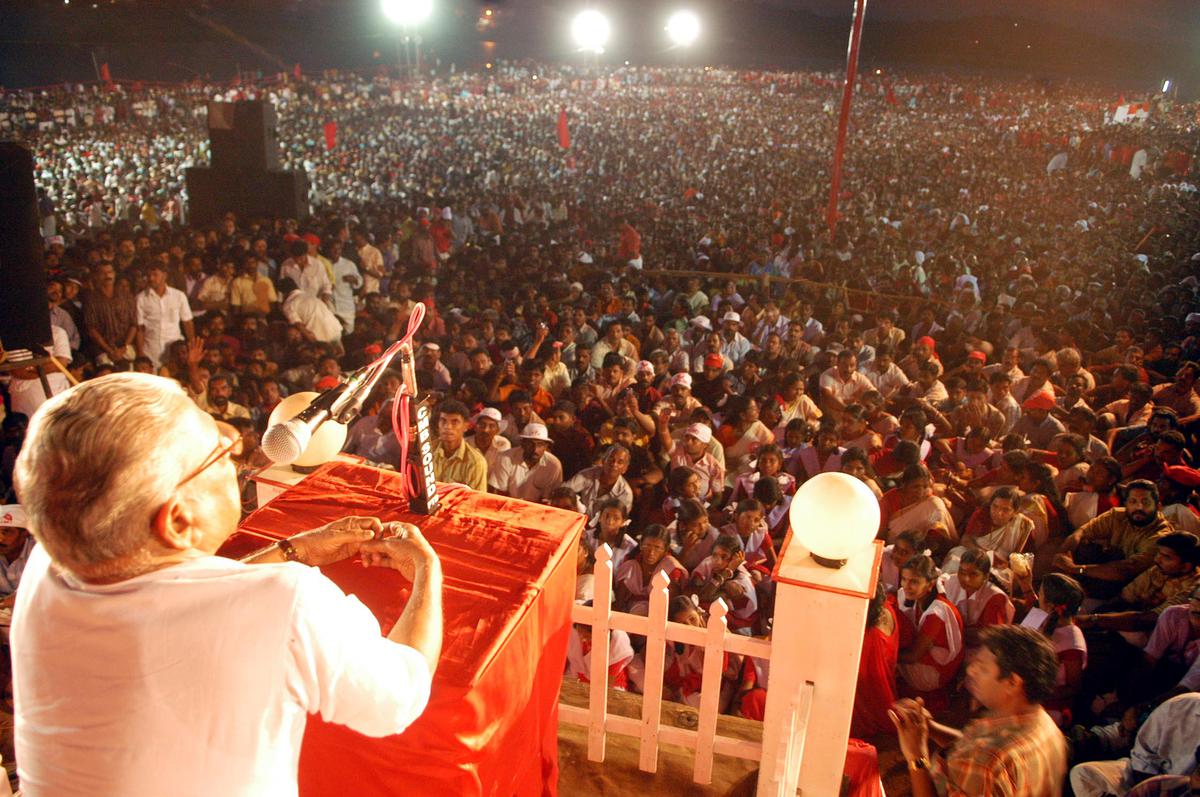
[834,516]
[326,442]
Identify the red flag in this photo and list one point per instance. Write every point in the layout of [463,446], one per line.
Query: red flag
[891,96]
[105,75]
[297,73]
[564,134]
[330,135]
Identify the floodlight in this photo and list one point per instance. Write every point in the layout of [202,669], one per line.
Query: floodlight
[683,27]
[407,12]
[590,30]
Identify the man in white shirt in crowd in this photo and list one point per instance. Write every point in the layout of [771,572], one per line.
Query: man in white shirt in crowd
[734,344]
[15,546]
[189,673]
[842,384]
[300,307]
[372,262]
[488,440]
[887,377]
[531,471]
[163,315]
[25,390]
[346,280]
[307,271]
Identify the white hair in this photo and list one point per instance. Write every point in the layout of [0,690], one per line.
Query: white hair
[98,462]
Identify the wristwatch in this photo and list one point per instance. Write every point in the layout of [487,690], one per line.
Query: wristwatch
[918,764]
[289,551]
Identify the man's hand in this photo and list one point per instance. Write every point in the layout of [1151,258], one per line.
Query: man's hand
[336,541]
[912,727]
[1064,563]
[401,547]
[195,351]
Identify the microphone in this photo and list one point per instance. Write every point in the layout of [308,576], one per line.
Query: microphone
[285,442]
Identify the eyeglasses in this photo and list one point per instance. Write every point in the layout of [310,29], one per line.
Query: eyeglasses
[226,444]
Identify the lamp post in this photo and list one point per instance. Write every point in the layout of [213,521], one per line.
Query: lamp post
[827,571]
[590,30]
[408,14]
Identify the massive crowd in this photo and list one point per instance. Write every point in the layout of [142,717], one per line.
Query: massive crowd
[1001,340]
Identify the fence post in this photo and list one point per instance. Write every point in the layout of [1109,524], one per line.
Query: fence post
[815,647]
[710,690]
[601,611]
[656,641]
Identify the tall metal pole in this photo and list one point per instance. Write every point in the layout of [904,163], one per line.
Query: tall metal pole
[839,150]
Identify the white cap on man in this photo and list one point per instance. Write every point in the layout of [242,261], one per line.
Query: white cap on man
[536,431]
[491,413]
[13,516]
[701,432]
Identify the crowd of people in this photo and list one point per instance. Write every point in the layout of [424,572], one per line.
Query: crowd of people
[654,327]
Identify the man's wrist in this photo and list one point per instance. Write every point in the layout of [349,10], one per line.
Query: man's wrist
[290,552]
[919,763]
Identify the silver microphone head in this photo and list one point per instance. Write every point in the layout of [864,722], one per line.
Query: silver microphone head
[285,442]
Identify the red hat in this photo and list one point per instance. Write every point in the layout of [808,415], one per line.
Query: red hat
[1041,400]
[328,383]
[373,349]
[311,239]
[977,355]
[714,360]
[927,341]
[1182,474]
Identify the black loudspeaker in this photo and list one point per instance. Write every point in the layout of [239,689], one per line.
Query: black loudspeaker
[214,192]
[242,136]
[24,311]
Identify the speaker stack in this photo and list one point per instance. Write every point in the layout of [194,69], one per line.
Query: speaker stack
[24,310]
[244,175]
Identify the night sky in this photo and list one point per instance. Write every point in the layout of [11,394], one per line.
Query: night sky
[1130,43]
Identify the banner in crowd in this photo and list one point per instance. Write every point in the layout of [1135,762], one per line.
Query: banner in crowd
[1128,112]
[564,133]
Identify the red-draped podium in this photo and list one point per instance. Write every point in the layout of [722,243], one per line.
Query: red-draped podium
[491,727]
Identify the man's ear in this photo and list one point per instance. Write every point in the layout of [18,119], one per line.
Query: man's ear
[1016,683]
[173,525]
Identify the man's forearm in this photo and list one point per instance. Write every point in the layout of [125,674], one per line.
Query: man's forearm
[420,625]
[943,735]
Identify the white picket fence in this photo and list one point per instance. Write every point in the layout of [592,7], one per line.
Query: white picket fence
[716,640]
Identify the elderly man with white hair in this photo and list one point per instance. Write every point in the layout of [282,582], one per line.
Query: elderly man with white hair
[145,664]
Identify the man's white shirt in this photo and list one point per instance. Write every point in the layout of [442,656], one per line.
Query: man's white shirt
[161,317]
[195,679]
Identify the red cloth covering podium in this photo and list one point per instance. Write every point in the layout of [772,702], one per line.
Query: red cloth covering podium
[491,727]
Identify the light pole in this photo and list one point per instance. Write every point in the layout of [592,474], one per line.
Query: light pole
[408,14]
[590,29]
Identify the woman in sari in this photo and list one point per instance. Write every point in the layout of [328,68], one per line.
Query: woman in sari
[876,669]
[742,434]
[912,505]
[997,528]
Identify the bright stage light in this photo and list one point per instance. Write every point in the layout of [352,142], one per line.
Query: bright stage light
[683,27]
[407,12]
[590,30]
